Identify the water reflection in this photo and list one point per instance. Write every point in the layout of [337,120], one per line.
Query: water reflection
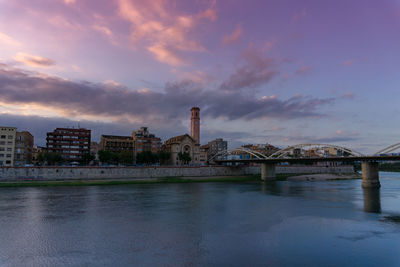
[372,200]
[280,223]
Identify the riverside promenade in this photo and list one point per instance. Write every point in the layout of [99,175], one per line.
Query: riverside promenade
[10,174]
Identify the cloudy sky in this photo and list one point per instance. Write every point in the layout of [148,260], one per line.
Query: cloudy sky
[283,72]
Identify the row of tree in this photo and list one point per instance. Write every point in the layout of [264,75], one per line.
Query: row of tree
[50,158]
[127,158]
[124,157]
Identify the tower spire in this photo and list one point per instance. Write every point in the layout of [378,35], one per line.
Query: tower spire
[195,124]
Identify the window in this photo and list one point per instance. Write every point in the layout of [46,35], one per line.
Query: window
[9,143]
[8,156]
[2,148]
[8,161]
[11,137]
[3,137]
[1,155]
[9,149]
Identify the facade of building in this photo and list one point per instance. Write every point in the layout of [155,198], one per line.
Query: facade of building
[35,153]
[23,148]
[216,147]
[116,143]
[7,145]
[195,124]
[183,143]
[143,140]
[265,149]
[71,143]
[186,143]
[203,154]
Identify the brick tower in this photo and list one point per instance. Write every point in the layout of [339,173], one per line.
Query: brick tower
[195,124]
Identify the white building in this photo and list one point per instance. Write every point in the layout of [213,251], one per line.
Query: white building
[7,145]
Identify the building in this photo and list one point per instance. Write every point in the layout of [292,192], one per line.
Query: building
[182,144]
[195,124]
[71,143]
[35,153]
[143,140]
[265,149]
[116,143]
[94,150]
[186,143]
[7,145]
[23,148]
[203,154]
[216,147]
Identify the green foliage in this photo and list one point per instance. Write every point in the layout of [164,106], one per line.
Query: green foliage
[164,157]
[184,157]
[106,156]
[49,158]
[87,158]
[125,157]
[146,157]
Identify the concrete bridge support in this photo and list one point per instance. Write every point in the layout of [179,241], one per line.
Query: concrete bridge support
[268,172]
[370,174]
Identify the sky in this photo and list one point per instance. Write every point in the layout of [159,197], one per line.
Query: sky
[281,72]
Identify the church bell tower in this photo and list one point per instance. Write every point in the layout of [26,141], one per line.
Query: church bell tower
[195,124]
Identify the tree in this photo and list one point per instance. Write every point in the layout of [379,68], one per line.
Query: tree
[125,157]
[87,158]
[146,157]
[106,156]
[184,157]
[164,157]
[49,158]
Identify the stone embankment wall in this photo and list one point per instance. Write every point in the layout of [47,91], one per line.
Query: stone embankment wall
[95,173]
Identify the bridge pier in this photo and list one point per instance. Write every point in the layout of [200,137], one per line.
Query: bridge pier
[370,174]
[268,171]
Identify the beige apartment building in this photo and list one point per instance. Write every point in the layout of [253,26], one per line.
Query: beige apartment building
[116,143]
[7,145]
[145,141]
[23,148]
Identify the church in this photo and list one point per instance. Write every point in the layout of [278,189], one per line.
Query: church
[186,143]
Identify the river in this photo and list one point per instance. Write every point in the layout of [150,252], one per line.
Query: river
[334,223]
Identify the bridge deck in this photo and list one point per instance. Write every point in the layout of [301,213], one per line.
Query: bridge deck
[309,160]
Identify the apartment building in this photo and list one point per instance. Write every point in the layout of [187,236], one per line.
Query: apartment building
[23,148]
[71,143]
[7,145]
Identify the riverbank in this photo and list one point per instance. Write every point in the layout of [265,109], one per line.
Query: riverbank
[28,183]
[165,180]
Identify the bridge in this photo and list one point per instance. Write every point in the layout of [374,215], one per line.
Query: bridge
[369,163]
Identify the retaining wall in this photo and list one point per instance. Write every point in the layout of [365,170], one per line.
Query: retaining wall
[95,173]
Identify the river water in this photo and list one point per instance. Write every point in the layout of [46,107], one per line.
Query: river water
[334,223]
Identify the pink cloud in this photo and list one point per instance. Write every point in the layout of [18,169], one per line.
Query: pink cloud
[164,34]
[166,55]
[348,62]
[303,70]
[5,39]
[69,2]
[103,29]
[233,37]
[34,61]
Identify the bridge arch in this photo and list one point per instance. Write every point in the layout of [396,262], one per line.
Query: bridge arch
[388,149]
[256,154]
[283,152]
